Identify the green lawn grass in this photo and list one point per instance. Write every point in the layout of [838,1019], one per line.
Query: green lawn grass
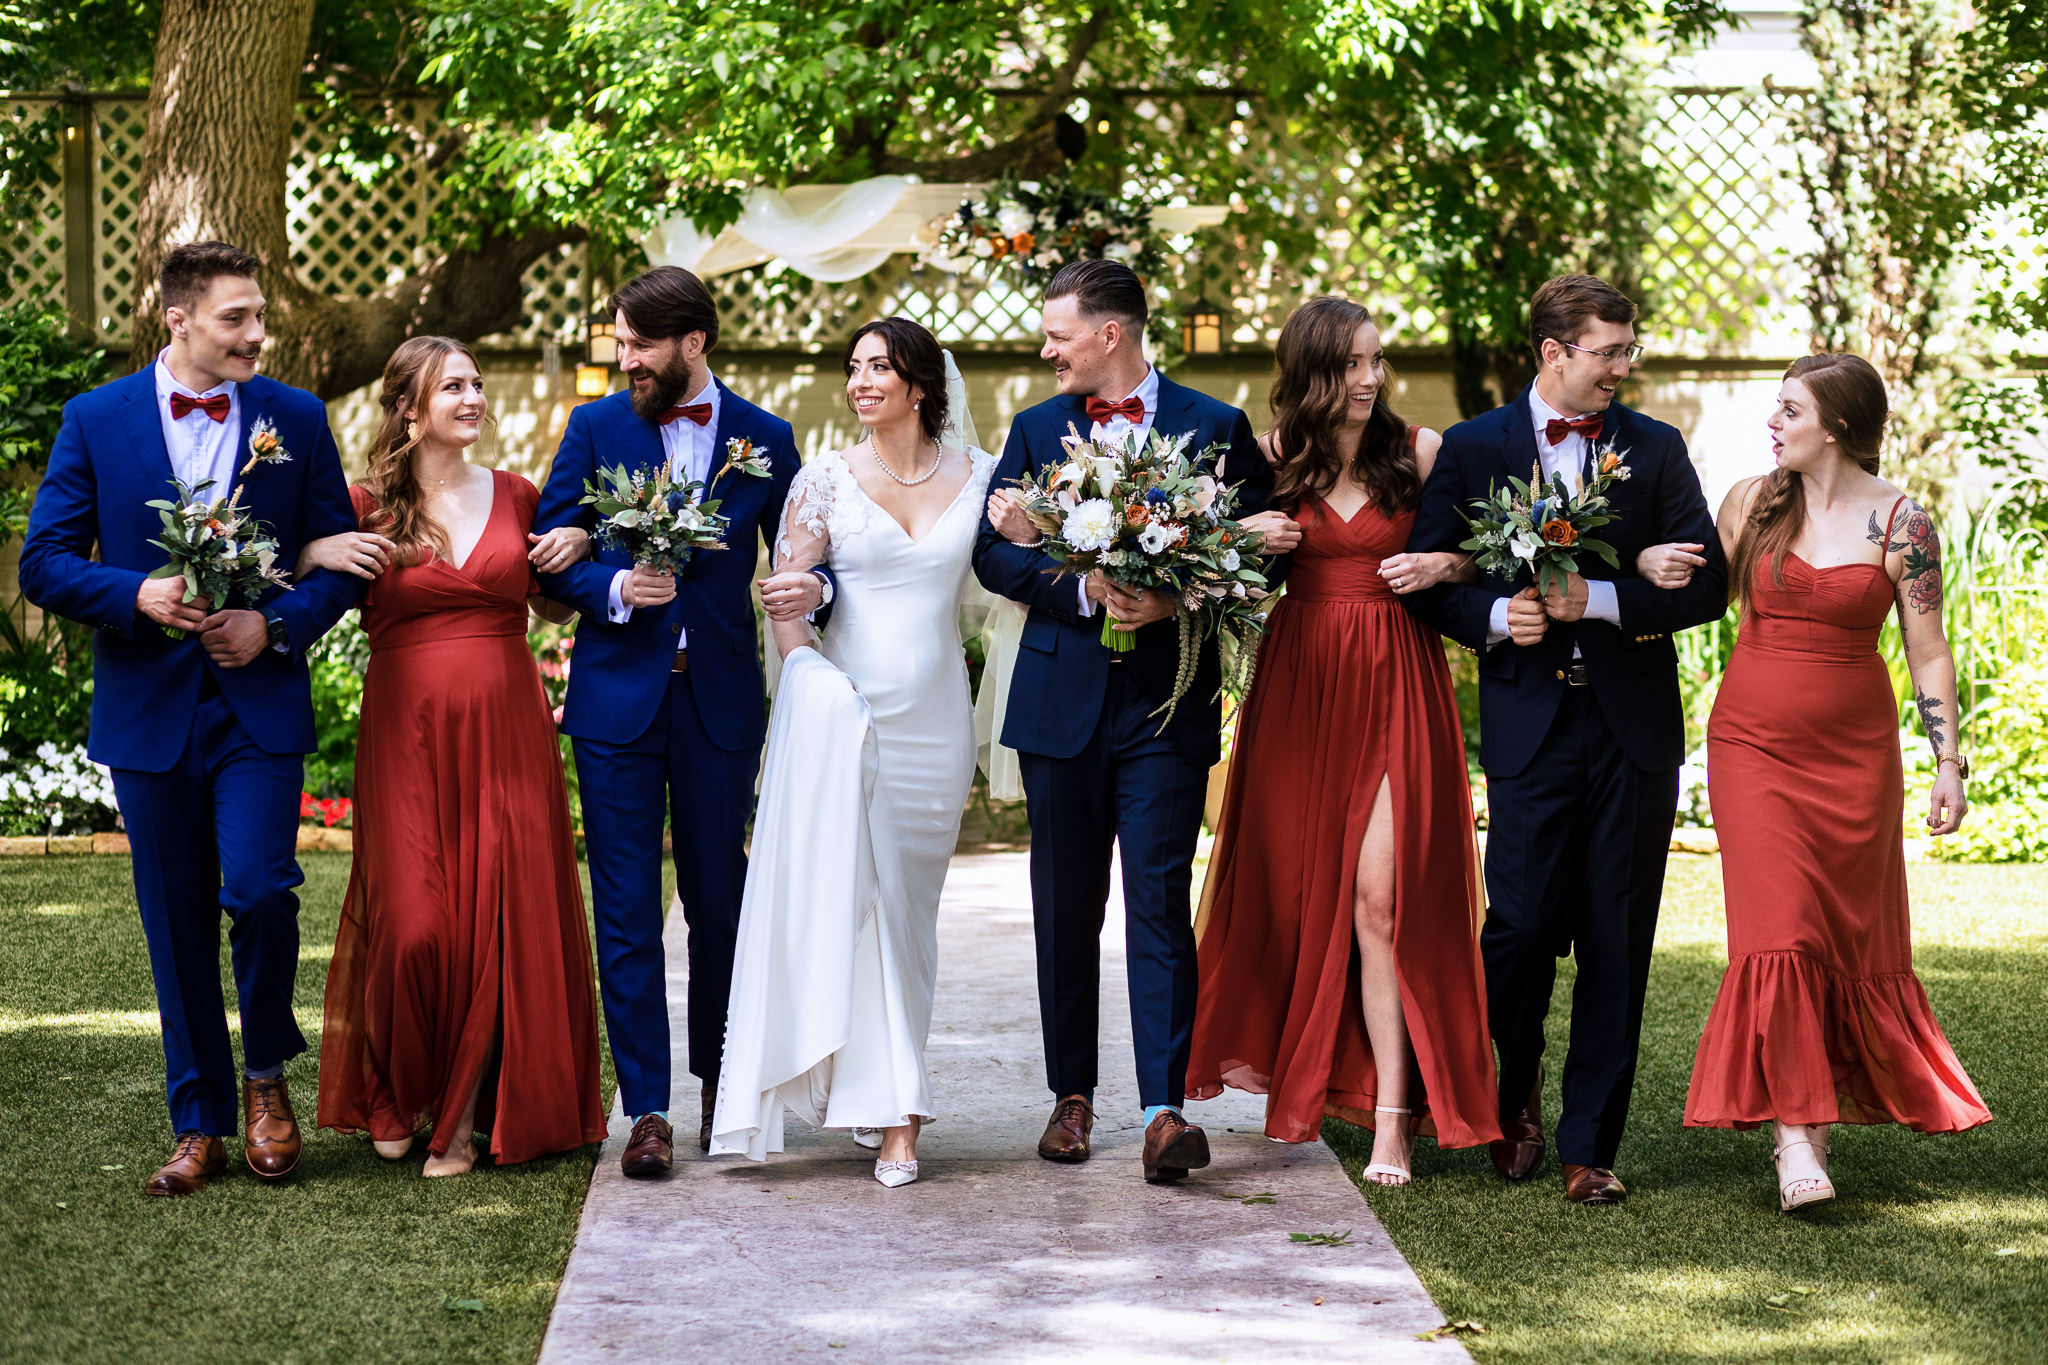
[1904,1266]
[354,1259]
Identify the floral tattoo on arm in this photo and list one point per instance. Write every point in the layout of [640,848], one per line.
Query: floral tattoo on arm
[1913,536]
[1930,719]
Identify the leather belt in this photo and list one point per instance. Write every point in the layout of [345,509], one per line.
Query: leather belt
[682,663]
[1575,676]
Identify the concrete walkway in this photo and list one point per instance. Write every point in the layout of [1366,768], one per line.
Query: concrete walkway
[994,1255]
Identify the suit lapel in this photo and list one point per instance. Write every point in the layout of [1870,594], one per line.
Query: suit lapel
[1066,410]
[1518,450]
[1175,416]
[255,399]
[732,421]
[146,433]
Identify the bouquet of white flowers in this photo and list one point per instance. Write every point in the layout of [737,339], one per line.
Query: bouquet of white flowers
[1541,531]
[1149,518]
[659,522]
[216,547]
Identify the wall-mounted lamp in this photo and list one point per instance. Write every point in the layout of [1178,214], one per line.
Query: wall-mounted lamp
[1201,328]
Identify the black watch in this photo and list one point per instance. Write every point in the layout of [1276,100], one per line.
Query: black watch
[275,633]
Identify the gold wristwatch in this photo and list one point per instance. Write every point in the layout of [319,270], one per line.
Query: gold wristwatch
[1962,764]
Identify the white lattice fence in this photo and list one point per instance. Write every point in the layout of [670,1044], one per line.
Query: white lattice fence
[34,245]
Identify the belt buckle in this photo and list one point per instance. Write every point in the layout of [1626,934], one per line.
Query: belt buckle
[682,663]
[1575,676]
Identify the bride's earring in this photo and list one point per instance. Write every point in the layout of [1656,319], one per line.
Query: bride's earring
[412,430]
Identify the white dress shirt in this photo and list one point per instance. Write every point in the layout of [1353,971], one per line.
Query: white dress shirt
[1566,459]
[690,449]
[1119,429]
[200,448]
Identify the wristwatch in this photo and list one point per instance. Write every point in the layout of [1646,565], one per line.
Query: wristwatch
[1962,764]
[825,583]
[275,633]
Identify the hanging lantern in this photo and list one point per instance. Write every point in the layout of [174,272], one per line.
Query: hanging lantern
[1201,328]
[600,354]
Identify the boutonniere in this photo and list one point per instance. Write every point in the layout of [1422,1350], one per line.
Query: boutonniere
[1609,462]
[746,457]
[264,447]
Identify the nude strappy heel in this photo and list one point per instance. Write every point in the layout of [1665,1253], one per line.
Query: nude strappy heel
[1802,1190]
[1399,1174]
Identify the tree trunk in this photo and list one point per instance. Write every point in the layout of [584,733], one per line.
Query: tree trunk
[214,163]
[215,152]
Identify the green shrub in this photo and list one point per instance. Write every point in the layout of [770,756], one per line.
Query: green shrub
[41,369]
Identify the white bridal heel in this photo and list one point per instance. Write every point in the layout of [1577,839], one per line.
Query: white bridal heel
[1799,1191]
[870,1138]
[895,1173]
[1397,1175]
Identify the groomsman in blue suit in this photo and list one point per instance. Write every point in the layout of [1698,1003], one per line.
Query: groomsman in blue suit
[206,734]
[667,704]
[1581,731]
[1097,772]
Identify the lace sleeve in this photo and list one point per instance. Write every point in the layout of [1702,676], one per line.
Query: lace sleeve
[805,538]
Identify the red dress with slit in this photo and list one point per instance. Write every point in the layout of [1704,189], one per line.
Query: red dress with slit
[462,950]
[1820,1018]
[1350,689]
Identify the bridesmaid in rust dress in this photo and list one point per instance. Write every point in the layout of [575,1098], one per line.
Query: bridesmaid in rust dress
[1820,1018]
[1339,947]
[460,992]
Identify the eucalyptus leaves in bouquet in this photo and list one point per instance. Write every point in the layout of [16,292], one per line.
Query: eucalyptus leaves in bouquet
[220,551]
[1539,530]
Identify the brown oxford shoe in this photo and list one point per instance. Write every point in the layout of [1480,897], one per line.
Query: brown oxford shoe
[651,1150]
[1592,1185]
[1173,1147]
[271,1133]
[1520,1149]
[1066,1135]
[200,1157]
[704,1128]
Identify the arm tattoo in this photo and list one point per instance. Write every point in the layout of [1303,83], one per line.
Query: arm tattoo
[1913,535]
[1930,719]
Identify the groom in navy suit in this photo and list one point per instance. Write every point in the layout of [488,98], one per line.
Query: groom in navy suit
[667,705]
[206,734]
[1096,770]
[1581,731]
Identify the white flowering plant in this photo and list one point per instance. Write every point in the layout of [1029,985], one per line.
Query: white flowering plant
[657,521]
[54,790]
[1032,228]
[1539,531]
[220,551]
[1149,517]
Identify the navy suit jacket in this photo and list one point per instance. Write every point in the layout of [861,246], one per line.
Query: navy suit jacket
[621,672]
[108,461]
[1632,667]
[1062,671]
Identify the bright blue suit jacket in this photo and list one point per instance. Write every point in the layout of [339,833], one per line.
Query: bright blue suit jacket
[621,672]
[108,461]
[1062,669]
[1632,667]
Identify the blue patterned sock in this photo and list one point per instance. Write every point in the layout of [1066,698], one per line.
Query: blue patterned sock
[661,1114]
[268,1073]
[1153,1111]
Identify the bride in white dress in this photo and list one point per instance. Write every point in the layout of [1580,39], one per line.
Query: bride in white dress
[870,754]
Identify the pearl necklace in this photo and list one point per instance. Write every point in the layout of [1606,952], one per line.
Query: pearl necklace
[938,458]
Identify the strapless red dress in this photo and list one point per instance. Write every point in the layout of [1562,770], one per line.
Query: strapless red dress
[462,951]
[1820,1018]
[1350,689]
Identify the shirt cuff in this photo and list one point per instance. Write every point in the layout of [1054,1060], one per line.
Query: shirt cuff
[1497,621]
[616,610]
[1601,603]
[1087,604]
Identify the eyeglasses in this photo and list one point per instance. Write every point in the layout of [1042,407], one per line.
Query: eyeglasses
[1631,353]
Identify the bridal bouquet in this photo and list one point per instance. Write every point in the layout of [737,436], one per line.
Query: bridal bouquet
[1542,529]
[1148,517]
[216,547]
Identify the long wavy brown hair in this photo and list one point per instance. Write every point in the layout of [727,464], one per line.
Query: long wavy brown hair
[1848,395]
[1309,403]
[401,514]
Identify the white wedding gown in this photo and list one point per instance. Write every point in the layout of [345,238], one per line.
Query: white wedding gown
[870,755]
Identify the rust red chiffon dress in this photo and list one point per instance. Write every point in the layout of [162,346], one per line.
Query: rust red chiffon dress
[462,950]
[1350,688]
[1820,1018]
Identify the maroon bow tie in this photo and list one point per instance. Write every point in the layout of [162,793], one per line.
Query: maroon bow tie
[1132,409]
[215,407]
[1588,426]
[700,413]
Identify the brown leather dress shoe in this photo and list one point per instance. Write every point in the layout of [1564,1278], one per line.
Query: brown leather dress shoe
[1520,1149]
[651,1150]
[200,1157]
[1066,1136]
[1173,1147]
[1592,1185]
[704,1127]
[272,1134]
